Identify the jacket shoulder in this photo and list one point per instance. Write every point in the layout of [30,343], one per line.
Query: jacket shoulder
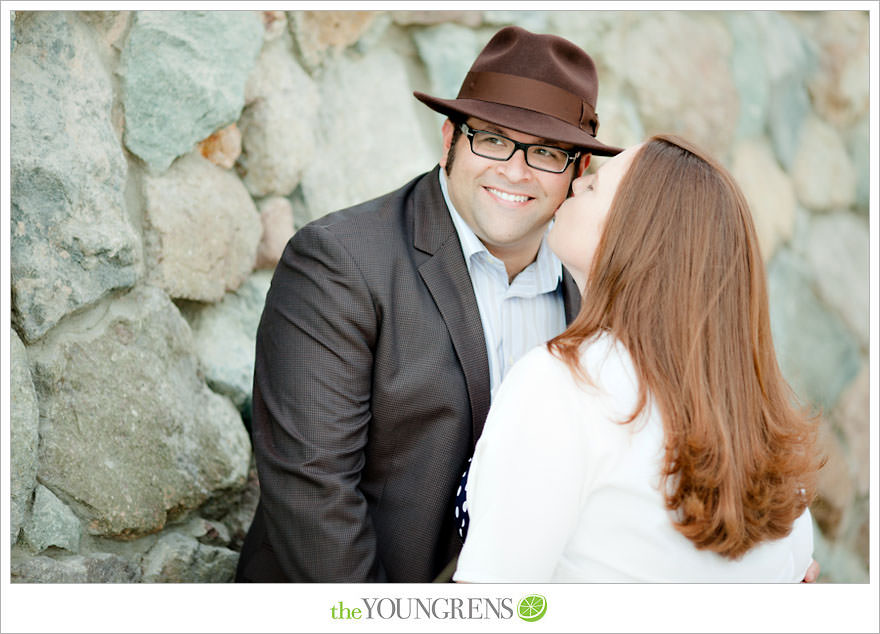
[383,213]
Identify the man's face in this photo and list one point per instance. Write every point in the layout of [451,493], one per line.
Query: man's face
[507,204]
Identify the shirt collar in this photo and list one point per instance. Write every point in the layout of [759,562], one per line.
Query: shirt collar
[546,269]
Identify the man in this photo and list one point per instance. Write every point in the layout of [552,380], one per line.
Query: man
[377,352]
[389,324]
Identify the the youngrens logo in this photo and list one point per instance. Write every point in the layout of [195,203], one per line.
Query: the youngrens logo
[530,608]
[439,608]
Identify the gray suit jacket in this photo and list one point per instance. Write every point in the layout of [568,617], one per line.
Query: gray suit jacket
[371,387]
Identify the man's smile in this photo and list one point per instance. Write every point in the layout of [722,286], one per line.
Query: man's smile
[507,196]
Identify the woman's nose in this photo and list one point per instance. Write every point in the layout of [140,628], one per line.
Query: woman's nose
[579,184]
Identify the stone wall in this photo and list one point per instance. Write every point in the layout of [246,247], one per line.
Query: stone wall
[161,160]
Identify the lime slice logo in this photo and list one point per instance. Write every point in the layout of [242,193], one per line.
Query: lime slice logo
[532,607]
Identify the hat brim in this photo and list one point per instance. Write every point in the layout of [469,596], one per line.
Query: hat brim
[521,120]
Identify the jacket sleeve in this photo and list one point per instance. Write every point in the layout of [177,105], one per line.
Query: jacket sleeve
[312,387]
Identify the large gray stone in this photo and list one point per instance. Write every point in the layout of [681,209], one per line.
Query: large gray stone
[183,76]
[51,523]
[12,16]
[201,230]
[130,434]
[447,50]
[110,26]
[24,438]
[837,563]
[367,111]
[589,30]
[858,144]
[376,33]
[181,558]
[749,73]
[320,36]
[834,486]
[224,336]
[839,87]
[274,23]
[788,51]
[789,57]
[277,126]
[768,190]
[838,250]
[787,109]
[852,417]
[816,352]
[277,219]
[829,183]
[472,19]
[537,21]
[207,531]
[301,214]
[70,239]
[95,568]
[687,90]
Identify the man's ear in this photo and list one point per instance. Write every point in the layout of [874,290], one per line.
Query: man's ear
[582,165]
[446,132]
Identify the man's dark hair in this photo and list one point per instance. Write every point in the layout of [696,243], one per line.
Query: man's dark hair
[456,133]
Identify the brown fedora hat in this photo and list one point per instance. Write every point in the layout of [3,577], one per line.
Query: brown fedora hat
[541,85]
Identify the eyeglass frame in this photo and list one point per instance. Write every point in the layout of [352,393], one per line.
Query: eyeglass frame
[469,132]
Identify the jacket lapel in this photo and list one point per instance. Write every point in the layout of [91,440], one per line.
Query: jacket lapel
[571,296]
[446,276]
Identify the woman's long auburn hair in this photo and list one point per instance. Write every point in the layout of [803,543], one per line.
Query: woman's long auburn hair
[679,279]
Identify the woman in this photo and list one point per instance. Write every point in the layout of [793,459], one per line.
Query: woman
[655,439]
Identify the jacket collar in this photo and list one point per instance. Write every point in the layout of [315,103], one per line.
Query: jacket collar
[432,224]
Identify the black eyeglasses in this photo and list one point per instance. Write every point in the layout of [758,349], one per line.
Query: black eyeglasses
[498,147]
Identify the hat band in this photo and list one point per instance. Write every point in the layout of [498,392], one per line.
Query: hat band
[531,94]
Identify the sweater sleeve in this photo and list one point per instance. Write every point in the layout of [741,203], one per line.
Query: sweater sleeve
[525,486]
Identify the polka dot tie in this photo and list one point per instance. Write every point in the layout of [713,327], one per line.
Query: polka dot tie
[461,512]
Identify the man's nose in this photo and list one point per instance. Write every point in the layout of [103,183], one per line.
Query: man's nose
[515,168]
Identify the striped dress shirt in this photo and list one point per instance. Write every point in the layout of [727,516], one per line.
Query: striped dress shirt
[516,316]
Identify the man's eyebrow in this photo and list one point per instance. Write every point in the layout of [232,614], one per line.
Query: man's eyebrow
[491,127]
